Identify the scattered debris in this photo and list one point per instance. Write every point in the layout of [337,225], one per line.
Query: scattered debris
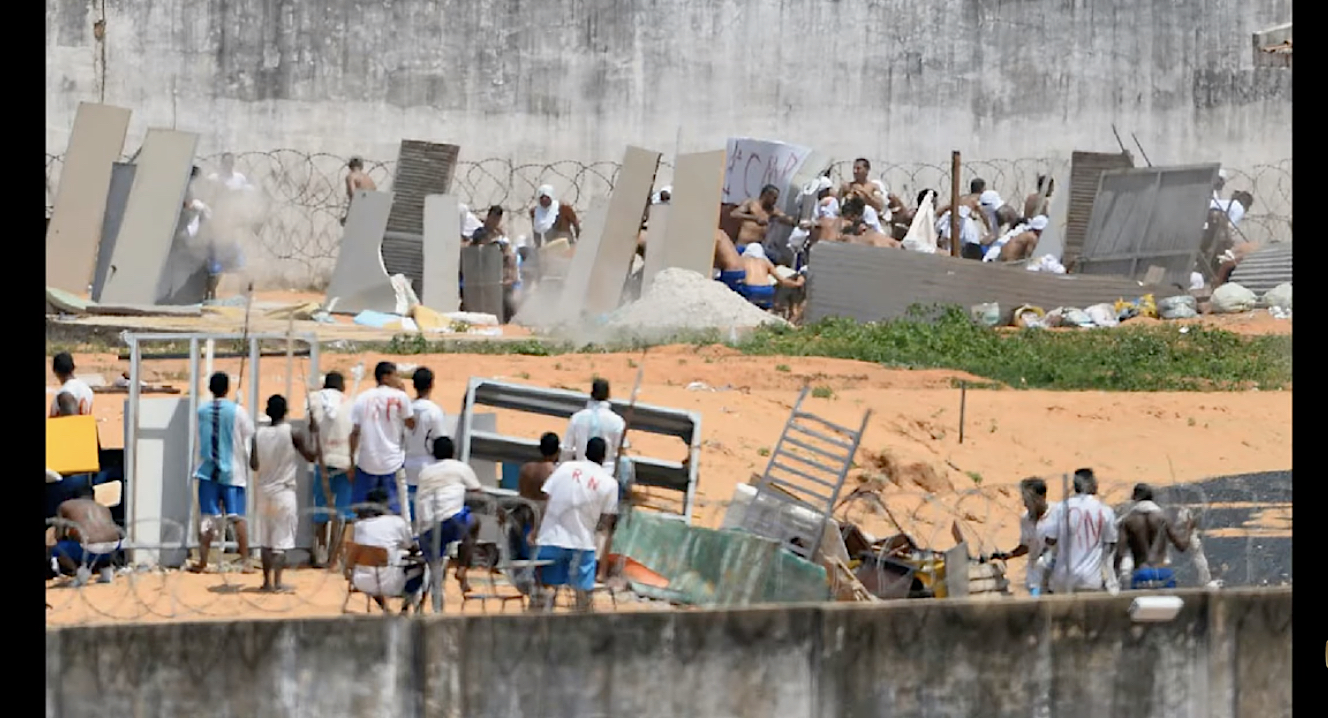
[1232,298]
[680,301]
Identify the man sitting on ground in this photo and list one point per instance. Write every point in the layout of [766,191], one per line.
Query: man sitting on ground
[728,261]
[444,518]
[401,576]
[1141,556]
[762,277]
[86,538]
[1022,245]
[858,230]
[582,496]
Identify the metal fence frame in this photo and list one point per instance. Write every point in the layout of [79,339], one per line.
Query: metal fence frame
[136,342]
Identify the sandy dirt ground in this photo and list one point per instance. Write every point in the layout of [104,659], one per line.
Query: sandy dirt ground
[910,452]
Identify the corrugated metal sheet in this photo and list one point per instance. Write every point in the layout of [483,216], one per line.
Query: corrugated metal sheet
[1148,217]
[423,168]
[873,283]
[1086,170]
[1265,269]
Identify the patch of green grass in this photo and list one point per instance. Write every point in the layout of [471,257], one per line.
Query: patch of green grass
[763,451]
[976,477]
[782,367]
[823,392]
[1138,358]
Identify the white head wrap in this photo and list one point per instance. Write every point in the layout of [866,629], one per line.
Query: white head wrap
[1221,174]
[817,185]
[990,199]
[1038,223]
[754,250]
[881,186]
[469,222]
[658,197]
[545,217]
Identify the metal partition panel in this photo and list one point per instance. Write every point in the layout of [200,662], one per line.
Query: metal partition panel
[1148,217]
[1086,170]
[474,443]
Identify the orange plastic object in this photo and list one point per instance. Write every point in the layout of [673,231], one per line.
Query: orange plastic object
[71,445]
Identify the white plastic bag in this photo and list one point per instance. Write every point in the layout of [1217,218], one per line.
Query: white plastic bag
[1103,315]
[1278,297]
[1179,307]
[1231,298]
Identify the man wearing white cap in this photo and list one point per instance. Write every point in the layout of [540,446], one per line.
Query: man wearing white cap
[551,220]
[1021,246]
[990,201]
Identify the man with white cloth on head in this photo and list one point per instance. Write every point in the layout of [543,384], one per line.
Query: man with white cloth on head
[551,220]
[990,201]
[1019,243]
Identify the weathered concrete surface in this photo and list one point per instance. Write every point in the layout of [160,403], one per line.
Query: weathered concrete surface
[578,80]
[1227,655]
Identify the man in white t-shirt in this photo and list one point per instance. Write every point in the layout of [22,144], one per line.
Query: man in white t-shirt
[63,366]
[380,418]
[1082,530]
[596,420]
[443,517]
[419,440]
[329,414]
[582,496]
[1034,491]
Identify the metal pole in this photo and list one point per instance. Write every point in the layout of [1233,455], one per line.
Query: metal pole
[963,402]
[290,355]
[211,352]
[954,203]
[191,529]
[1063,546]
[131,445]
[255,378]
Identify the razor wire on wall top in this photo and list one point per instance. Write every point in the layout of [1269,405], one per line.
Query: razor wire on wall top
[1245,522]
[308,199]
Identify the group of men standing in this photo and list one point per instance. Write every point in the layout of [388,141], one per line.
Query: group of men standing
[385,465]
[1081,544]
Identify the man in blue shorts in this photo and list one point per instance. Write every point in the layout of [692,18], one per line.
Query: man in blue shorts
[1145,531]
[224,432]
[330,414]
[379,420]
[582,497]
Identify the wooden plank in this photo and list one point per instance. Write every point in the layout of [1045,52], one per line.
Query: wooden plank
[875,283]
[423,168]
[1086,170]
[622,224]
[151,216]
[96,141]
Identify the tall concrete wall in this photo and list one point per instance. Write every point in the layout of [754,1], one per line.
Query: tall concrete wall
[1227,655]
[907,80]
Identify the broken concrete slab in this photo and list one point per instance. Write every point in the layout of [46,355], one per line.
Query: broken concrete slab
[577,279]
[442,253]
[147,233]
[360,280]
[97,141]
[117,198]
[689,239]
[622,224]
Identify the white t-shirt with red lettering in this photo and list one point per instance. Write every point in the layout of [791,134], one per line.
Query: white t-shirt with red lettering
[579,493]
[381,414]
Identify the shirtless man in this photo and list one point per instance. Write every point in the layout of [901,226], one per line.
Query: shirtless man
[1022,245]
[356,179]
[1037,203]
[728,262]
[856,230]
[762,277]
[1145,531]
[530,486]
[869,191]
[86,538]
[971,200]
[757,214]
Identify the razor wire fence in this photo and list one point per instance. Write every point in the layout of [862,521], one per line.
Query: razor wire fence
[1245,524]
[307,197]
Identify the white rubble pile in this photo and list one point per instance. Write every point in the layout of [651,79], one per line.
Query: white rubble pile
[681,301]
